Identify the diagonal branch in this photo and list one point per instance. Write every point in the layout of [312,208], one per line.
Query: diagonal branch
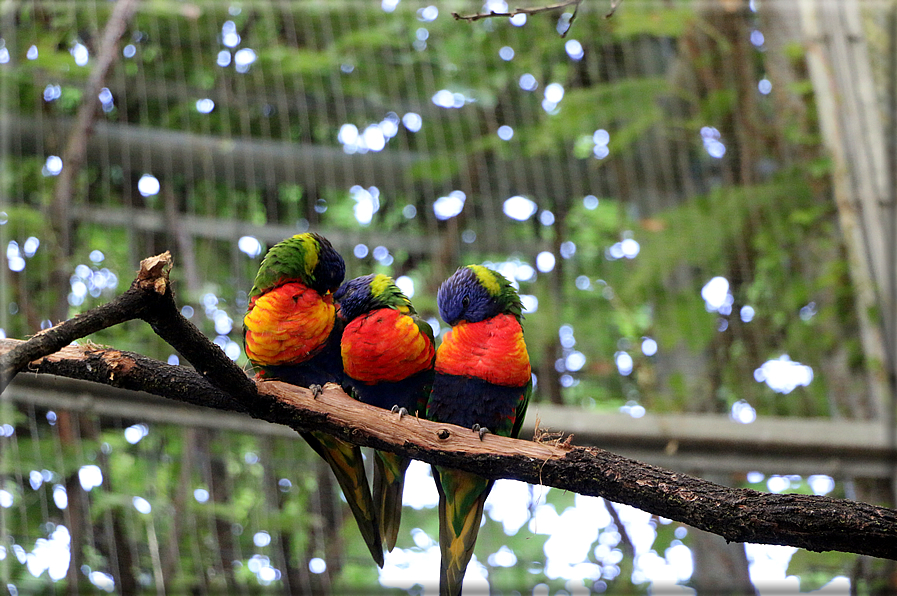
[741,515]
[125,307]
[149,298]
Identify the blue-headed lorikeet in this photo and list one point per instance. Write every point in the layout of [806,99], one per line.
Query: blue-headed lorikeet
[388,354]
[483,381]
[291,332]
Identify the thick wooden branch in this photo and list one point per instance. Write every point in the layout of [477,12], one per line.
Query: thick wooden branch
[738,515]
[810,522]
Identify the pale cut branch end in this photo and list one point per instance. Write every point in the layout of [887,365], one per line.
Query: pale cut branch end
[154,272]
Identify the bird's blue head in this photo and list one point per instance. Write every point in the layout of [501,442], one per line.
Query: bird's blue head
[370,292]
[330,269]
[475,293]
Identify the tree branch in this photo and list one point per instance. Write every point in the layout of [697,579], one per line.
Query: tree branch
[535,10]
[149,298]
[613,8]
[517,11]
[741,515]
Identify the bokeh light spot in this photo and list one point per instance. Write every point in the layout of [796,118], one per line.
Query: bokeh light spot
[545,261]
[449,206]
[519,208]
[250,246]
[783,375]
[574,49]
[148,185]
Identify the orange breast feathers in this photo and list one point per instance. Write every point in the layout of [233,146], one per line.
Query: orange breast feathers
[287,325]
[385,345]
[492,350]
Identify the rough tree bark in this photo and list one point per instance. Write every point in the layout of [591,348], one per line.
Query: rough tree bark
[740,515]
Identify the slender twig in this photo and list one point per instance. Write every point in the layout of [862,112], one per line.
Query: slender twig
[517,11]
[570,22]
[613,8]
[627,546]
[529,11]
[536,10]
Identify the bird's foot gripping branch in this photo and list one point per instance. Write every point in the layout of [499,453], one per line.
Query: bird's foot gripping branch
[805,521]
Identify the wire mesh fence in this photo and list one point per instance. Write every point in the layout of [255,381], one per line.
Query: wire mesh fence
[656,183]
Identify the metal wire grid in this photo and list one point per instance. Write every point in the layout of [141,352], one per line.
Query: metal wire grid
[264,113]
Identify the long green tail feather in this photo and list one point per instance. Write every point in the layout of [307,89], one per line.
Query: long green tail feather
[461,499]
[389,482]
[348,466]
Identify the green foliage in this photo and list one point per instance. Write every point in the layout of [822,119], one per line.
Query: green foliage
[620,106]
[644,19]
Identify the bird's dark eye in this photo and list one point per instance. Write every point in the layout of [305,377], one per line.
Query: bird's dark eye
[465,302]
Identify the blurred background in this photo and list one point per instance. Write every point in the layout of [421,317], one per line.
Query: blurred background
[695,198]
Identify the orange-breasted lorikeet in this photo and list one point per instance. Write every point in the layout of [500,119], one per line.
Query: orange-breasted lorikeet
[291,333]
[388,354]
[483,381]
[290,330]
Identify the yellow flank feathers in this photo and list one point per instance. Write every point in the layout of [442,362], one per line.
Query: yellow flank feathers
[404,324]
[380,283]
[410,337]
[487,278]
[463,525]
[461,500]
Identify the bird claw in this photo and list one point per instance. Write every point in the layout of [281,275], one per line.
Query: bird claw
[402,412]
[480,430]
[316,390]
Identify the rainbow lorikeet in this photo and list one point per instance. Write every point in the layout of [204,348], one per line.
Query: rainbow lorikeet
[388,354]
[483,381]
[291,333]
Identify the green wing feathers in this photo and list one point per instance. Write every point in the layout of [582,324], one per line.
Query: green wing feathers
[389,481]
[461,499]
[521,411]
[348,466]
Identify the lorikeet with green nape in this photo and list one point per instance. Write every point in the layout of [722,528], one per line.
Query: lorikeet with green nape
[388,354]
[291,333]
[483,381]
